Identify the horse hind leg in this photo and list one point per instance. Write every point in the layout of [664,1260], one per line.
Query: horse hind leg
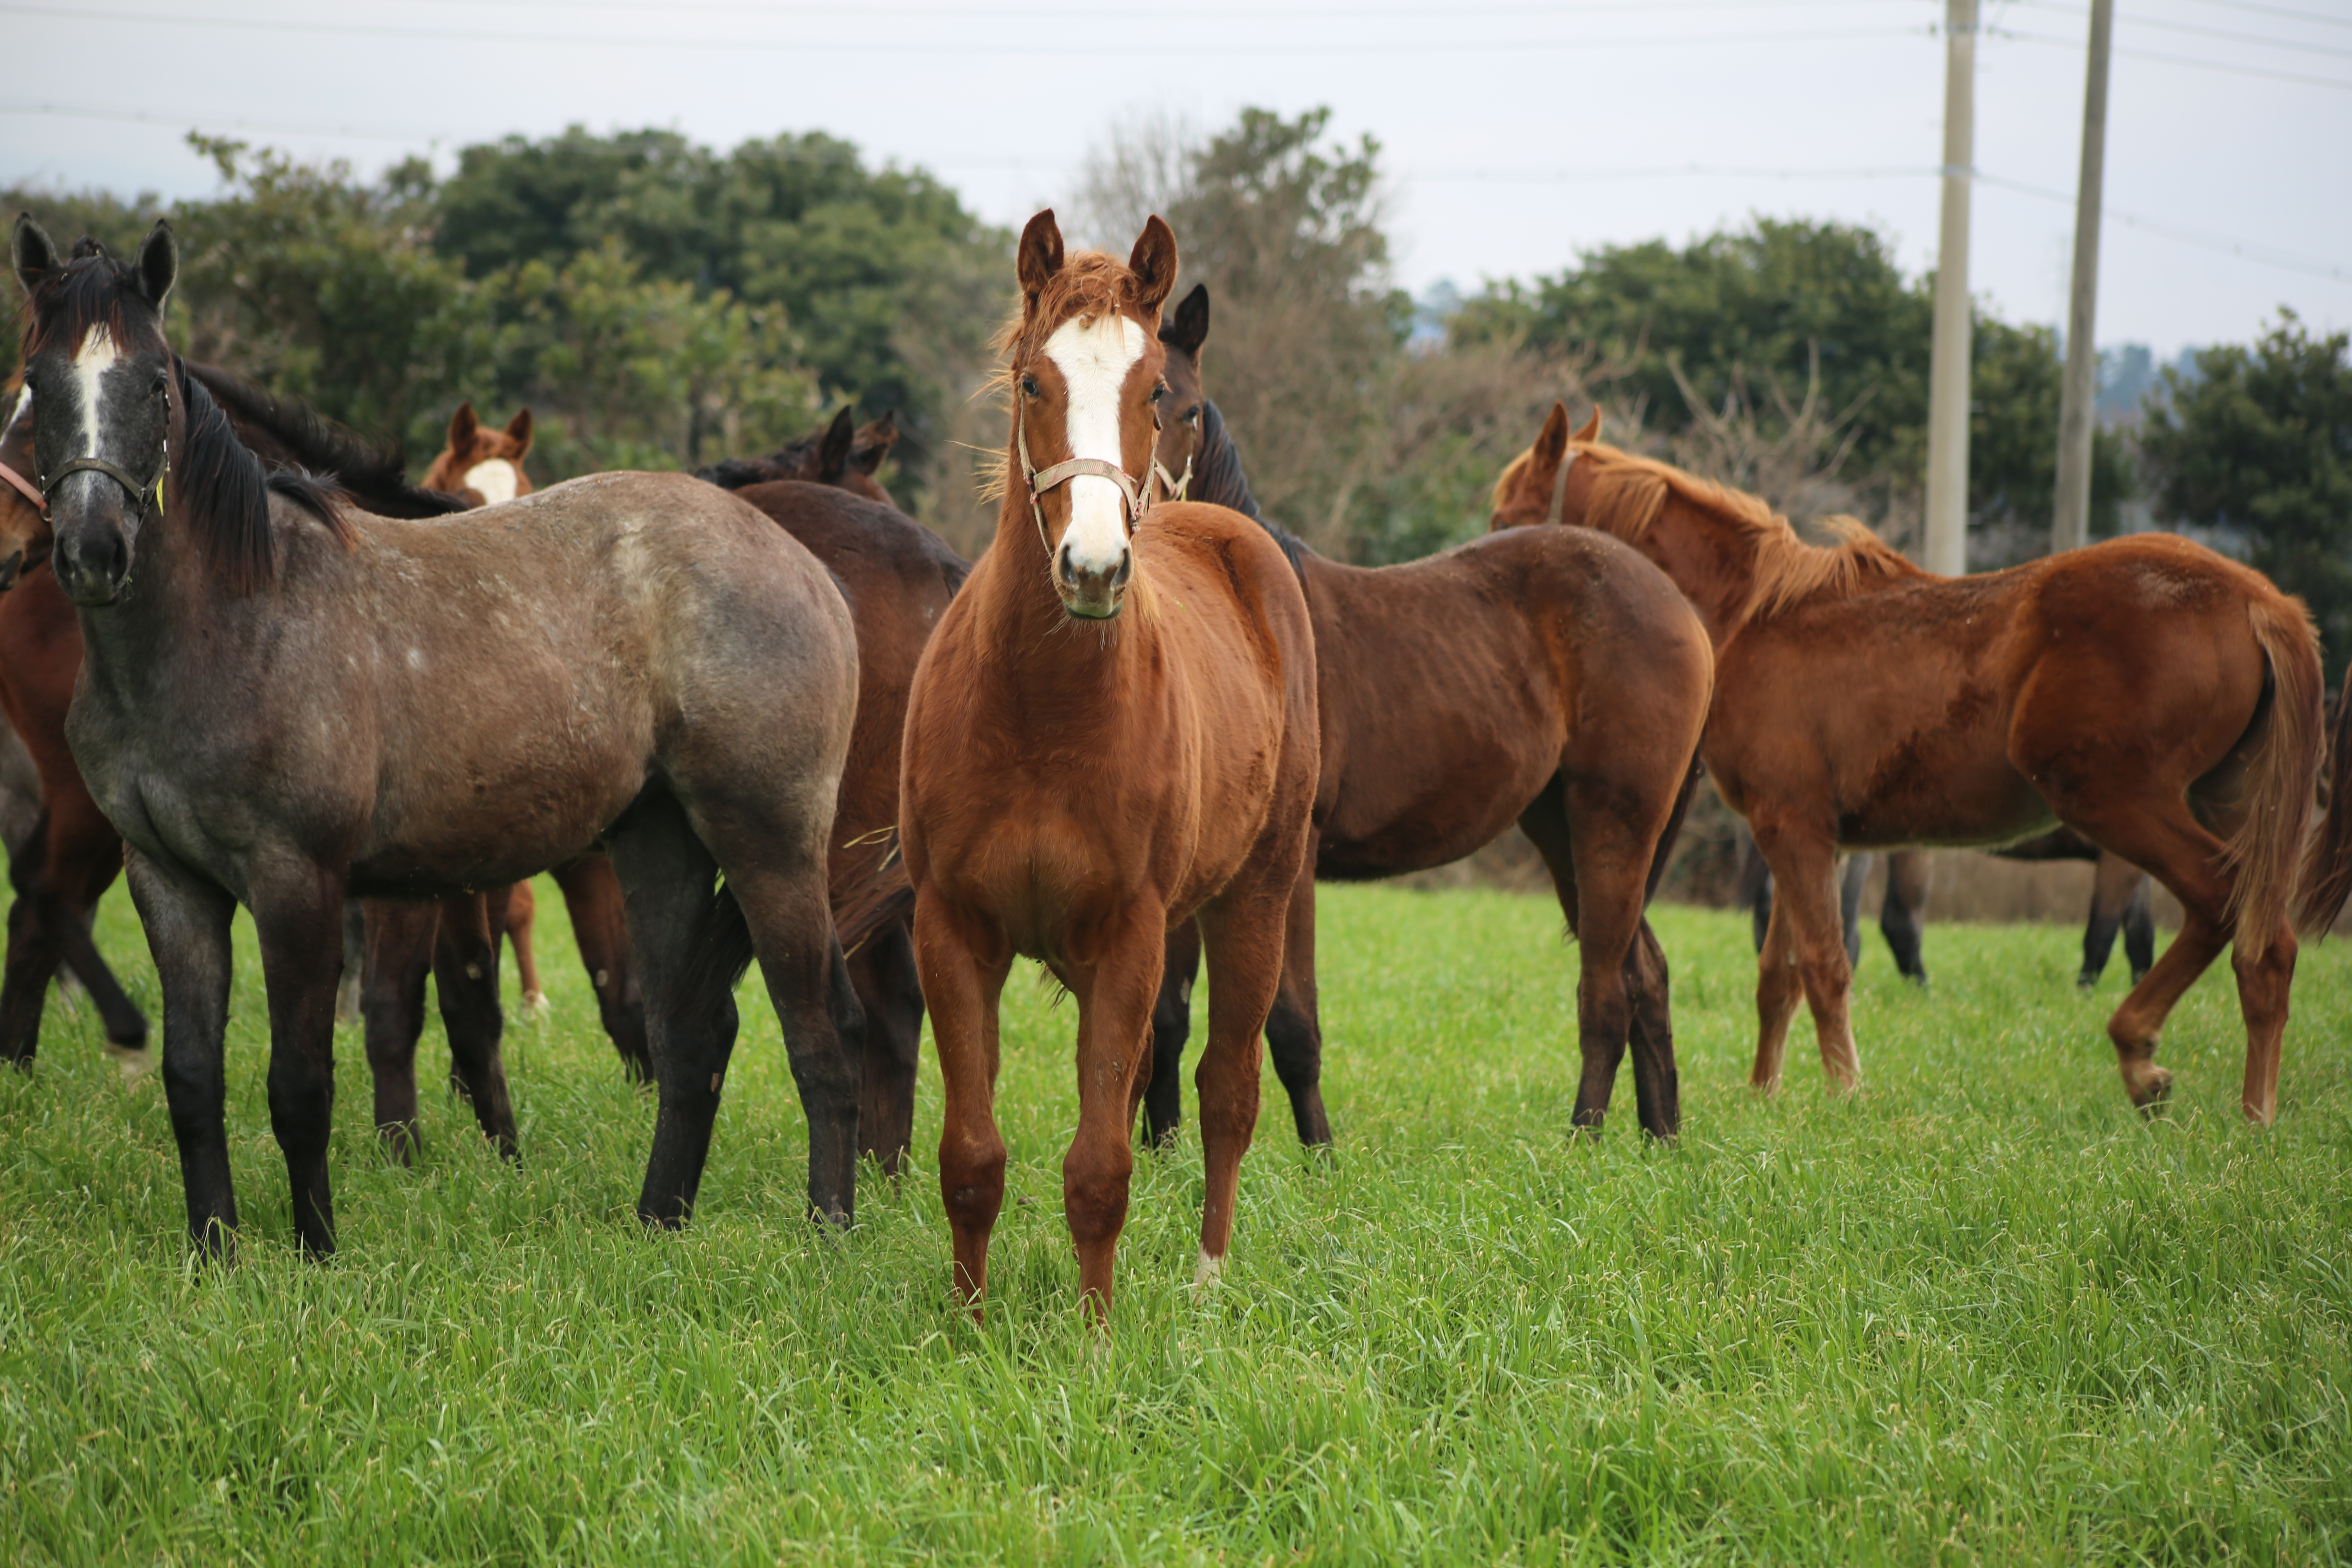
[296,916]
[1903,914]
[600,926]
[465,976]
[2139,929]
[882,972]
[1803,866]
[1294,1027]
[399,955]
[1851,882]
[1172,1027]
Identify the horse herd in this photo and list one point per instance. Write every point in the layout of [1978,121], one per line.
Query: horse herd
[764,716]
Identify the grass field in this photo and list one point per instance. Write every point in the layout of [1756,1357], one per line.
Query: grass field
[1982,1314]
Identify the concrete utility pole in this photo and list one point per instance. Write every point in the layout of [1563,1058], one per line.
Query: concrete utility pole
[1947,370]
[2070,524]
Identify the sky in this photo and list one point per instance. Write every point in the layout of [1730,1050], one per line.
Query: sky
[1515,135]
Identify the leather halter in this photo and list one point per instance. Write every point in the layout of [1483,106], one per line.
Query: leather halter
[23,486]
[1172,486]
[138,493]
[1139,498]
[1559,488]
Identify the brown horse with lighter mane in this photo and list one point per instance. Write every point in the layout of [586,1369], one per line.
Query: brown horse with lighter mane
[2160,699]
[1553,679]
[1112,730]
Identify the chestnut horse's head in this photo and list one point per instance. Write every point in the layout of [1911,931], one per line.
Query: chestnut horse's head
[1534,487]
[24,520]
[100,374]
[482,464]
[1087,394]
[1179,411]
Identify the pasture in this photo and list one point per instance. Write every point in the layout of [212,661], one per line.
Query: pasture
[1983,1312]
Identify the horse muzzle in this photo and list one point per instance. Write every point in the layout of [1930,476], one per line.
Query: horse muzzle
[92,564]
[1093,592]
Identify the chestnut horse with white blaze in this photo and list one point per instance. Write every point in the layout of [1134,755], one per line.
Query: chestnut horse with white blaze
[2161,701]
[1112,730]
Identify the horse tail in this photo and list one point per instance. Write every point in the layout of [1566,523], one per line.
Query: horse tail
[2328,873]
[882,898]
[723,948]
[2267,848]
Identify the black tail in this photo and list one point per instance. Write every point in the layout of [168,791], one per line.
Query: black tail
[1674,831]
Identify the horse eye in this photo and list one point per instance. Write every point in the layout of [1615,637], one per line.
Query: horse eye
[1029,385]
[1192,414]
[1159,392]
[157,390]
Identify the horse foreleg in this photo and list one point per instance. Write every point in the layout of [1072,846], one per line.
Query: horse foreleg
[2139,929]
[1803,866]
[1242,935]
[296,915]
[2112,889]
[883,974]
[962,968]
[1851,882]
[1114,995]
[592,895]
[1657,1084]
[1777,991]
[31,963]
[187,925]
[516,922]
[399,938]
[466,976]
[1172,1027]
[1903,914]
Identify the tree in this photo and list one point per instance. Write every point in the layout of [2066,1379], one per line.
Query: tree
[2257,446]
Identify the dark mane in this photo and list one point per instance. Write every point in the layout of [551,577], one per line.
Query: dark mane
[1217,478]
[224,497]
[289,434]
[84,295]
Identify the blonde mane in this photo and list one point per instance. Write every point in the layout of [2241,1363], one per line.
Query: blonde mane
[1629,493]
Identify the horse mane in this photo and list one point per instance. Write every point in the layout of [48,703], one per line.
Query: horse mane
[226,495]
[374,473]
[1629,493]
[83,296]
[1218,479]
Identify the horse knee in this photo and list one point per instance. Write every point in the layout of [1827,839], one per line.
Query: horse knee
[972,1180]
[1094,1190]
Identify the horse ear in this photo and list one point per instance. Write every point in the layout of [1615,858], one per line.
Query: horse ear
[463,428]
[519,431]
[1153,262]
[873,443]
[1551,444]
[1591,431]
[1188,329]
[159,264]
[31,250]
[832,453]
[1041,256]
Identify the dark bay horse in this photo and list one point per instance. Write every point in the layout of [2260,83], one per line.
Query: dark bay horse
[74,853]
[263,715]
[1112,731]
[843,455]
[2163,701]
[1553,679]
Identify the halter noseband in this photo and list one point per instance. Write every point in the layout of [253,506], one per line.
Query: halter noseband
[1559,488]
[1139,499]
[141,493]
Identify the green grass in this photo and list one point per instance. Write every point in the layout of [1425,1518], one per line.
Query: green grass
[1981,1313]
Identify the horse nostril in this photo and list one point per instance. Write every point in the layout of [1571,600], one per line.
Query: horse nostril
[1061,566]
[1126,569]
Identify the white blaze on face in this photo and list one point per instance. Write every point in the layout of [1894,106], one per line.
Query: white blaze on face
[494,480]
[91,361]
[1094,356]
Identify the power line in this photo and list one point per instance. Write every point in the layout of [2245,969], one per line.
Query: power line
[2279,11]
[2338,83]
[2157,226]
[898,48]
[2265,42]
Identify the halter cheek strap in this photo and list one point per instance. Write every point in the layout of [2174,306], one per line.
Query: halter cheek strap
[1170,485]
[1559,488]
[23,486]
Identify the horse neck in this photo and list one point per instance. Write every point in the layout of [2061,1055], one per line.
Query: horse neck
[1711,559]
[1217,472]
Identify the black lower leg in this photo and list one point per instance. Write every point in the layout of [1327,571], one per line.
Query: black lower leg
[1171,1027]
[466,976]
[1294,1038]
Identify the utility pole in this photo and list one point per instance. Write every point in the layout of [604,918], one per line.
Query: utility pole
[1947,369]
[2070,525]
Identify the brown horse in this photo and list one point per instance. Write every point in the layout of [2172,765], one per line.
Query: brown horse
[2161,701]
[842,455]
[1113,730]
[1554,679]
[899,580]
[482,465]
[265,718]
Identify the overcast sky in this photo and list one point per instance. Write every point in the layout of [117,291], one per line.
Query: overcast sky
[1515,134]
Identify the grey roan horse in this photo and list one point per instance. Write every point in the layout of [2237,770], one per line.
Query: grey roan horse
[276,709]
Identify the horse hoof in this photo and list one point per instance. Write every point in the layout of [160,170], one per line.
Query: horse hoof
[136,1061]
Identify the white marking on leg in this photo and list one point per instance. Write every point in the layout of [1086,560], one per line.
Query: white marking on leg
[1209,1271]
[494,479]
[1094,355]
